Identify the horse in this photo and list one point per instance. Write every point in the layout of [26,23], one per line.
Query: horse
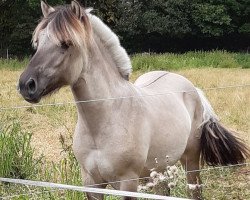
[120,138]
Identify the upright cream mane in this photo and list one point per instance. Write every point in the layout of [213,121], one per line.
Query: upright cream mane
[112,43]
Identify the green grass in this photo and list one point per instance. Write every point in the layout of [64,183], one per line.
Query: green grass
[17,160]
[17,156]
[200,59]
[13,64]
[16,143]
[168,61]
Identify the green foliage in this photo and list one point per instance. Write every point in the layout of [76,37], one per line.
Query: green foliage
[141,24]
[243,60]
[106,10]
[245,29]
[211,20]
[166,17]
[18,19]
[17,155]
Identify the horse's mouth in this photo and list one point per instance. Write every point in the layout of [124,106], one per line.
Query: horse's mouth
[50,90]
[33,99]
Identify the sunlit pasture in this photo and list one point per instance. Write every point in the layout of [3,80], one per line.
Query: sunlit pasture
[52,127]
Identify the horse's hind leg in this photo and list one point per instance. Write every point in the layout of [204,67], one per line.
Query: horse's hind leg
[190,162]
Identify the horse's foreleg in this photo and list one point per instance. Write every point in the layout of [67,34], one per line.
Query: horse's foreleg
[193,176]
[89,181]
[130,186]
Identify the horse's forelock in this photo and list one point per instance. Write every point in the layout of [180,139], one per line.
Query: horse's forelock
[63,26]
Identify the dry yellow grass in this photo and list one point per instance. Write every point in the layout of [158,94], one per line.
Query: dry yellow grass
[47,123]
[231,105]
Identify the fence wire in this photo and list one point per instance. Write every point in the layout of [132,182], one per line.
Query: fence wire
[90,188]
[61,187]
[120,98]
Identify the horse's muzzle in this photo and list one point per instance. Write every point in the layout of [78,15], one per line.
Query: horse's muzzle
[29,90]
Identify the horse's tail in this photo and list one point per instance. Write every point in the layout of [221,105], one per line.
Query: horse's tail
[219,146]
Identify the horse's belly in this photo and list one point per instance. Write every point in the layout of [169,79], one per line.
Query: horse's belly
[171,115]
[170,132]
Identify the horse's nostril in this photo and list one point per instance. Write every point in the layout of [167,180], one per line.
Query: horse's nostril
[31,86]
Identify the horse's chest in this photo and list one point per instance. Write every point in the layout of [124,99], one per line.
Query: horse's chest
[91,158]
[111,151]
[105,164]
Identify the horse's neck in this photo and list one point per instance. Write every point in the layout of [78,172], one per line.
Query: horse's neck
[101,81]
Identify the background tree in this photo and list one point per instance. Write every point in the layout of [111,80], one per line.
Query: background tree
[142,25]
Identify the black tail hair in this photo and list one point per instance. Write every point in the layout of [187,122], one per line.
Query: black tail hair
[220,147]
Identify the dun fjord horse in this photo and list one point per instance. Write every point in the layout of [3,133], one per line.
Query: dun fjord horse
[120,139]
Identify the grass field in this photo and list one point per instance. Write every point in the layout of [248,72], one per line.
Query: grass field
[35,142]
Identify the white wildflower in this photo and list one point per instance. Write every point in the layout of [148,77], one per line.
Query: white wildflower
[162,177]
[153,169]
[156,181]
[150,185]
[166,174]
[141,188]
[153,174]
[194,186]
[173,168]
[176,174]
[170,173]
[171,185]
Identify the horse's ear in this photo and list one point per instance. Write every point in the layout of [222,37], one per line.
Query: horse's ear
[46,9]
[77,9]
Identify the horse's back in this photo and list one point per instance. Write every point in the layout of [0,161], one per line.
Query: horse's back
[163,81]
[169,87]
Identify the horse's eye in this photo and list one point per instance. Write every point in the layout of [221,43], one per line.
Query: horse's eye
[64,45]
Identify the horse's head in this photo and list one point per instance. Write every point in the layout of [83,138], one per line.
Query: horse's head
[61,41]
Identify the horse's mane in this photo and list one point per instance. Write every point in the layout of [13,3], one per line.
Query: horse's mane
[63,26]
[112,43]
